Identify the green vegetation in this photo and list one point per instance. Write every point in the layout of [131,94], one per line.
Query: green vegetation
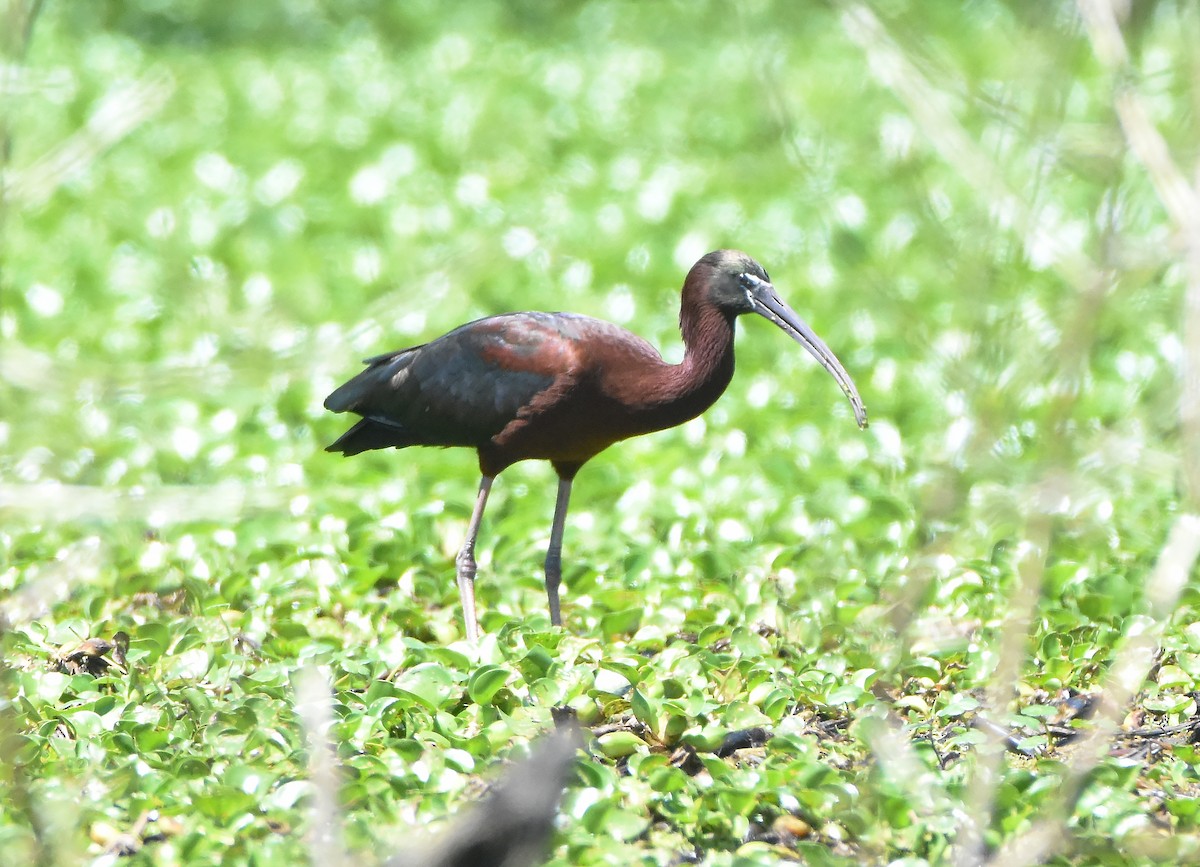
[211,211]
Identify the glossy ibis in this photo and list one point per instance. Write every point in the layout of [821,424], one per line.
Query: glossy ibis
[562,388]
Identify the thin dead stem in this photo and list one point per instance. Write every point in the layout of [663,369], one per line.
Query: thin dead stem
[1134,659]
[1124,680]
[117,114]
[931,107]
[1011,656]
[17,19]
[158,506]
[899,763]
[1179,199]
[51,583]
[315,709]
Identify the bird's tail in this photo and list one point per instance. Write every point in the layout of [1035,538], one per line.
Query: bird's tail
[354,396]
[370,434]
[368,394]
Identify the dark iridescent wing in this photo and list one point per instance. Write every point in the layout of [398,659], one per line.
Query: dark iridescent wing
[459,390]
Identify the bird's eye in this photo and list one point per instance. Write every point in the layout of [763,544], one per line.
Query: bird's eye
[749,281]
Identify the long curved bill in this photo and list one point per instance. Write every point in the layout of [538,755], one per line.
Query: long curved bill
[767,303]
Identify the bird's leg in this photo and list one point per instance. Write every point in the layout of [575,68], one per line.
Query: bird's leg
[464,563]
[554,552]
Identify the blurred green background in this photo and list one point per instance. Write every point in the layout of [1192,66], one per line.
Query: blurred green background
[211,212]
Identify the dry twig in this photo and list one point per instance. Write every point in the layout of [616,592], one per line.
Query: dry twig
[314,706]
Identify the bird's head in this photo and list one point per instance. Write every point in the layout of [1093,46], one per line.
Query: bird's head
[735,284]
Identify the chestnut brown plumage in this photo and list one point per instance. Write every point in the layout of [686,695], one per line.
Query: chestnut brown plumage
[562,388]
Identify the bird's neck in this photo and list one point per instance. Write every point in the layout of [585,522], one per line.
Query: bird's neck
[708,348]
[690,387]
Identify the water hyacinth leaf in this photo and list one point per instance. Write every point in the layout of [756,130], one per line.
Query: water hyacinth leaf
[616,745]
[623,622]
[429,683]
[958,705]
[486,681]
[644,709]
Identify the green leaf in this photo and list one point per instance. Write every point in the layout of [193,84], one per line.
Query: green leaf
[624,622]
[616,745]
[486,681]
[644,709]
[428,683]
[957,705]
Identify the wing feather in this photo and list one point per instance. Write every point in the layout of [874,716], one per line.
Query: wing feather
[461,389]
